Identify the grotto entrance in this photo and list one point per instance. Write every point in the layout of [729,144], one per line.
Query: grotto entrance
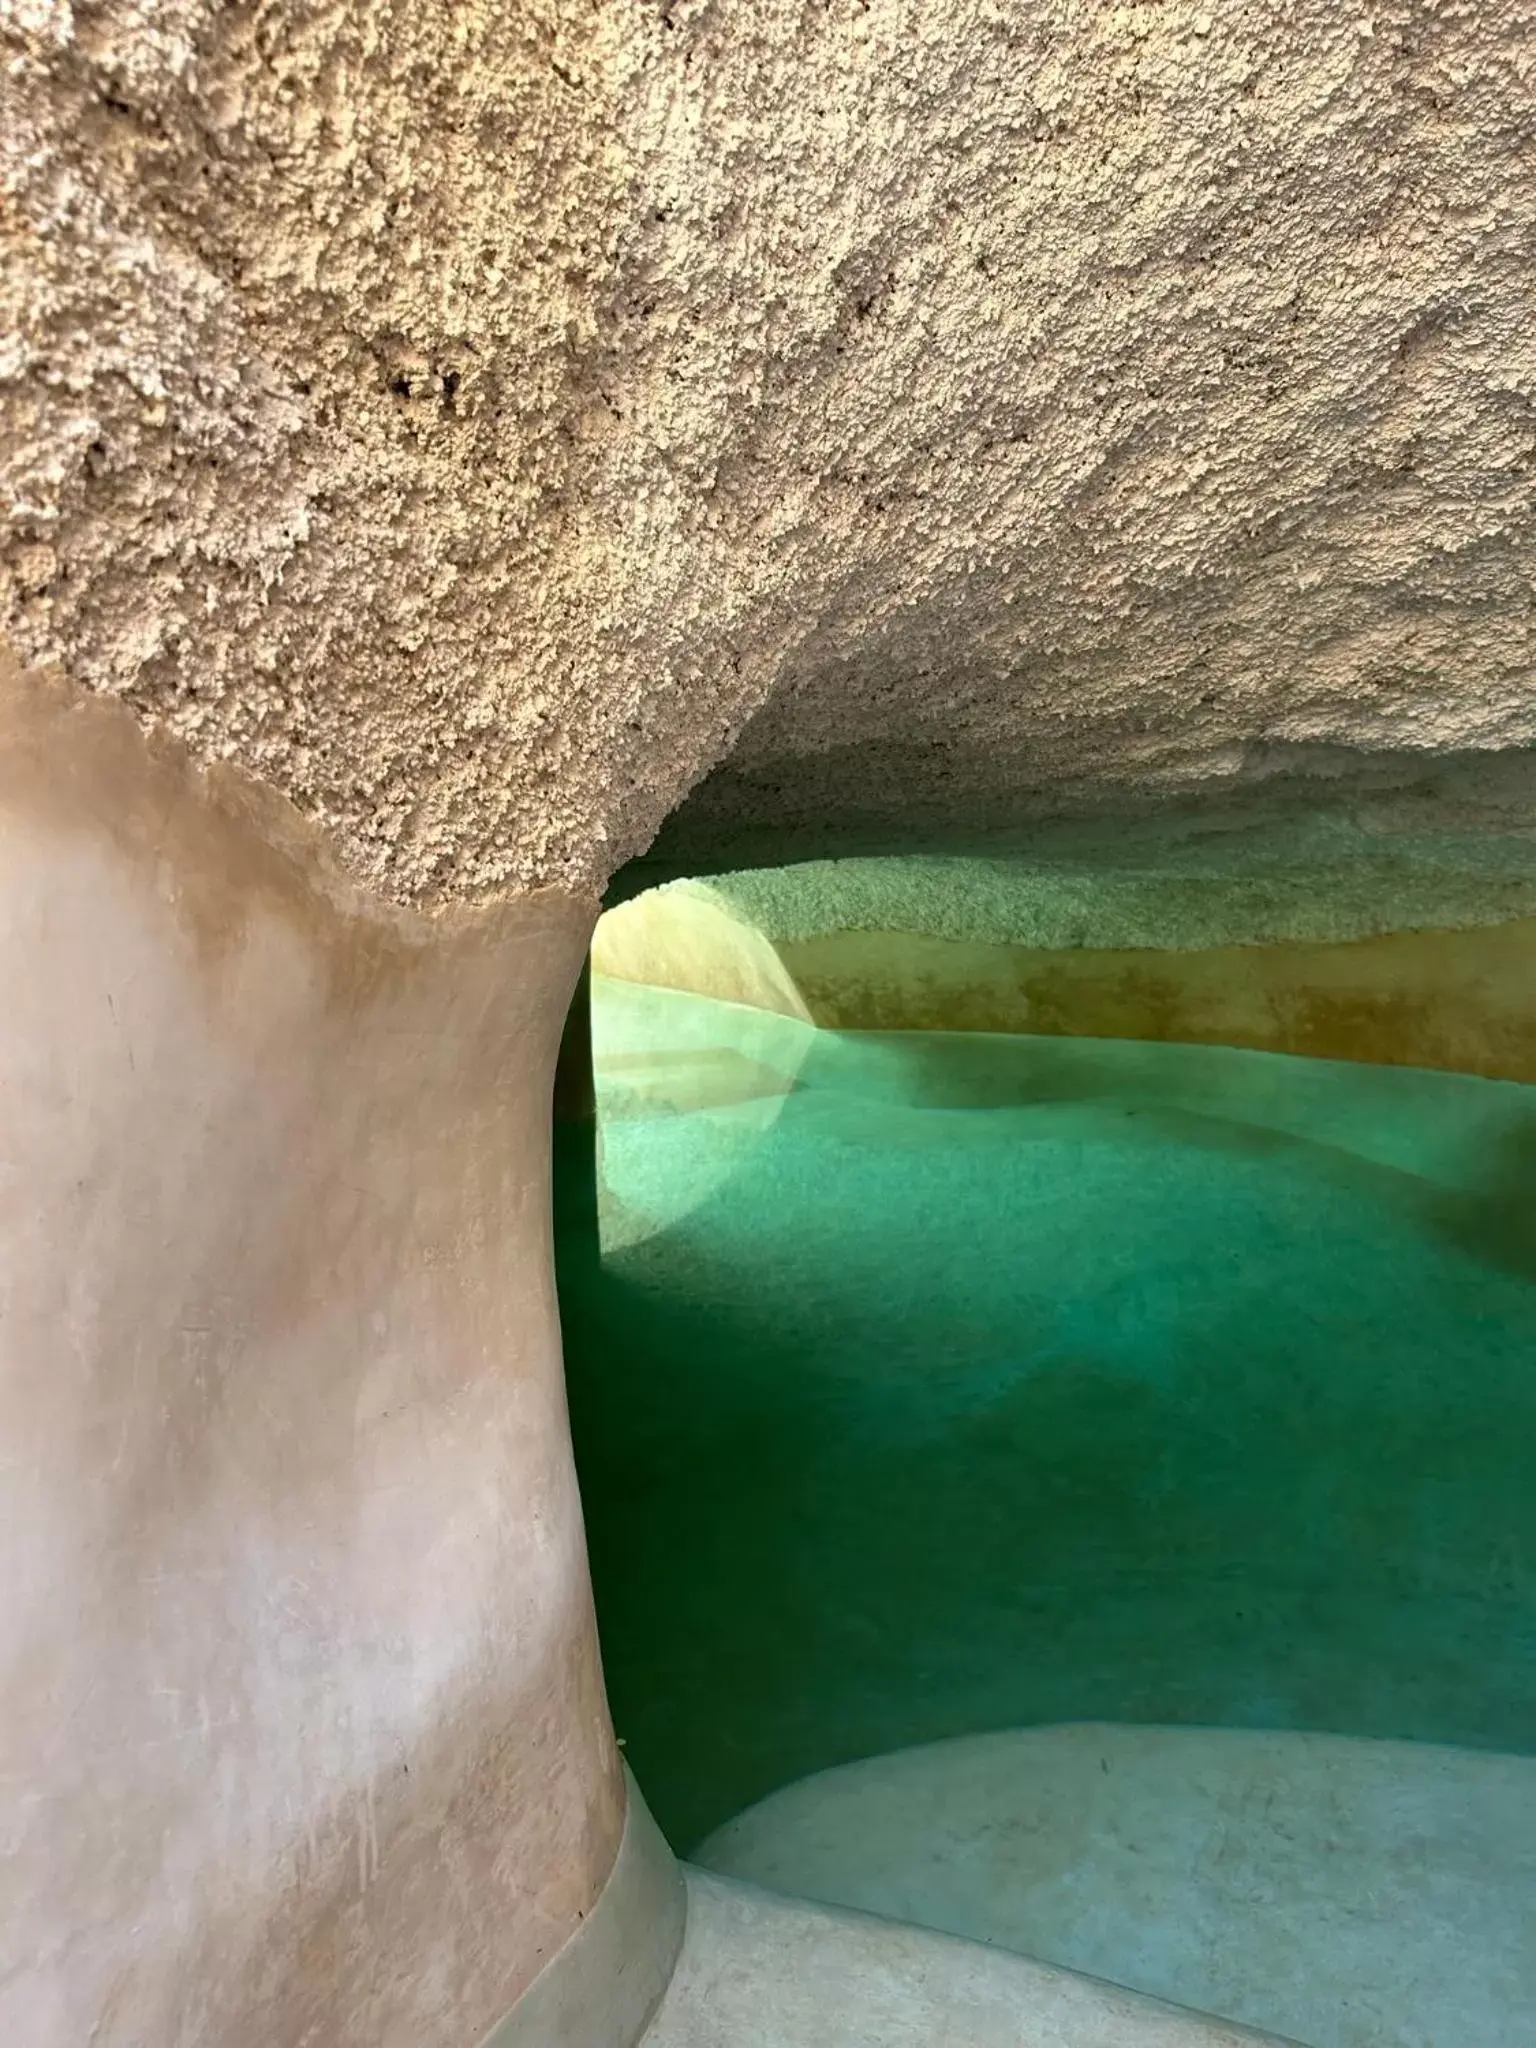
[1063,1489]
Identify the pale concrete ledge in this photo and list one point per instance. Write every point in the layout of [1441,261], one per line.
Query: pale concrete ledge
[603,1986]
[760,1971]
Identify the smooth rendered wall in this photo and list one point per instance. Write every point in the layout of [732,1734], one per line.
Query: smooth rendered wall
[303,1724]
[1464,1001]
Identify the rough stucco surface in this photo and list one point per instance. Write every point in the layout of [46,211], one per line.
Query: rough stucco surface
[304,1732]
[469,418]
[1140,394]
[296,301]
[1329,886]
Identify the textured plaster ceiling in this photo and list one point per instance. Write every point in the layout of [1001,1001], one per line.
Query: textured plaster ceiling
[475,419]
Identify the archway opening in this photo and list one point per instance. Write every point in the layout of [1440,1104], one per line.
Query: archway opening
[1051,1389]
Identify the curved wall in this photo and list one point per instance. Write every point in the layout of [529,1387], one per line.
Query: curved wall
[297,1653]
[1297,962]
[1461,1000]
[677,938]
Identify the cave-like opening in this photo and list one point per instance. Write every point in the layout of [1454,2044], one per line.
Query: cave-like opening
[1067,1484]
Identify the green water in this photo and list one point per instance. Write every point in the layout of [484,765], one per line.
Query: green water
[980,1382]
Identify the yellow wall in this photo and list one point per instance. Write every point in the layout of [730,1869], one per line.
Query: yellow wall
[683,937]
[1460,999]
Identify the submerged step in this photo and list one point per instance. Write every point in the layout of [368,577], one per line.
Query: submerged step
[1348,1893]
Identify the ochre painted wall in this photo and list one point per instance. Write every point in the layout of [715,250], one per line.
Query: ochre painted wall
[300,1704]
[1464,1000]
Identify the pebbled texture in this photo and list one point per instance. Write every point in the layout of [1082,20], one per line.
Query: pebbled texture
[472,419]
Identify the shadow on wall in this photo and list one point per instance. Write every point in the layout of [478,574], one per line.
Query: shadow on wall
[1004,1381]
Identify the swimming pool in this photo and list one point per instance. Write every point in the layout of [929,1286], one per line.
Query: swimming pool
[936,1386]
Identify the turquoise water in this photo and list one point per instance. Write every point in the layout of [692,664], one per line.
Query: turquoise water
[933,1385]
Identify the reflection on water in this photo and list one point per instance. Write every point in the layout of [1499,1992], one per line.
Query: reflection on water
[971,1383]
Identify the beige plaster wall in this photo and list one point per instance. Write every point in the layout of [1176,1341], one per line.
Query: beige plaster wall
[303,1732]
